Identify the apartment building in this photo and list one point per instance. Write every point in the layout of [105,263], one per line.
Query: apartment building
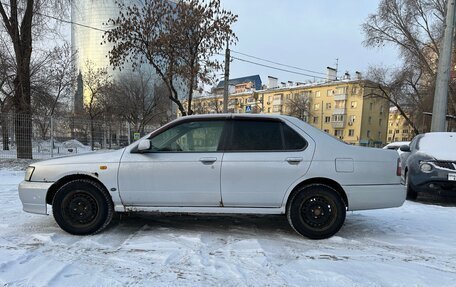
[398,128]
[347,109]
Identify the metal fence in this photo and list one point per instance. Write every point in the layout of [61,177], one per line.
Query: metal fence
[41,137]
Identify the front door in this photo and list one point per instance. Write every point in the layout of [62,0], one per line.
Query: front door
[182,168]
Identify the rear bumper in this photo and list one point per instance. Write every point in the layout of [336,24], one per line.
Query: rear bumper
[361,197]
[33,196]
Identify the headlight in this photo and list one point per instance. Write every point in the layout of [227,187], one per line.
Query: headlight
[29,172]
[426,167]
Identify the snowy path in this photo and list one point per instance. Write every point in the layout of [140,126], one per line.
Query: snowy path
[411,245]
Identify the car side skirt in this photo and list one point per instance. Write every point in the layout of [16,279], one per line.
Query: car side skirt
[363,197]
[215,210]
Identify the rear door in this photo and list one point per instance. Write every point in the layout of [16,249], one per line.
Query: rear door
[263,157]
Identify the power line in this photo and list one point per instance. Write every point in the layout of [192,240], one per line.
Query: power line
[240,53]
[62,20]
[277,63]
[276,68]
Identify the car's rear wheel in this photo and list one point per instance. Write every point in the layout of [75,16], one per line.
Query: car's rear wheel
[82,207]
[316,211]
[411,193]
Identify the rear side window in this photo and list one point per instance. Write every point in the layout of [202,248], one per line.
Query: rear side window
[292,140]
[263,135]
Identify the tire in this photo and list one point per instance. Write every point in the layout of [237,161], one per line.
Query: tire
[82,207]
[316,211]
[411,194]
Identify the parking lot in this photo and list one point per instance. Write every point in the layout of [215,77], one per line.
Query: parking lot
[410,245]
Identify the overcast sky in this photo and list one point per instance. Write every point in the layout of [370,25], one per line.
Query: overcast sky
[309,34]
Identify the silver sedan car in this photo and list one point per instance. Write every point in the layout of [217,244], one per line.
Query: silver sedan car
[249,164]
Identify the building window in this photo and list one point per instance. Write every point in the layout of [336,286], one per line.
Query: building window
[337,118]
[381,110]
[277,108]
[389,139]
[328,106]
[316,107]
[371,105]
[339,133]
[329,93]
[380,122]
[326,131]
[269,110]
[327,119]
[390,131]
[405,131]
[368,133]
[317,94]
[396,132]
[354,90]
[379,135]
[369,120]
[315,120]
[341,90]
[352,119]
[269,99]
[351,133]
[354,104]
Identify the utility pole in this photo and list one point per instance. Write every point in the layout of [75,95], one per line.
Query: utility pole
[443,72]
[227,77]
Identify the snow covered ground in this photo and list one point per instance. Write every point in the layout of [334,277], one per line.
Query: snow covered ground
[409,246]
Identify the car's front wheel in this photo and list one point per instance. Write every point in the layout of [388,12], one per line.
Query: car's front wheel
[316,211]
[82,207]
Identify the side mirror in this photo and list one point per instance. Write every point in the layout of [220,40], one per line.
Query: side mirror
[144,145]
[405,148]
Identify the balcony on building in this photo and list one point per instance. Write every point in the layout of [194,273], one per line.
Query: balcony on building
[340,97]
[277,102]
[338,124]
[339,111]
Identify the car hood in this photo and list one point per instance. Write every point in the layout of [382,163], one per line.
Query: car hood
[442,154]
[92,157]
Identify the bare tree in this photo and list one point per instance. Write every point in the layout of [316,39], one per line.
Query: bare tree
[18,18]
[53,77]
[415,27]
[401,88]
[97,85]
[299,106]
[136,99]
[6,94]
[179,40]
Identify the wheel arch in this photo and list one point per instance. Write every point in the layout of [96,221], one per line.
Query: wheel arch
[319,180]
[62,181]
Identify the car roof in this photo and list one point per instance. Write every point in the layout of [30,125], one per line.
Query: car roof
[234,116]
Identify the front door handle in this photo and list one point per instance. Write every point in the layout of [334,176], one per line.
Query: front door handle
[294,160]
[208,160]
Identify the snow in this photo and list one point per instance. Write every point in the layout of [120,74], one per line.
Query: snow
[440,145]
[408,246]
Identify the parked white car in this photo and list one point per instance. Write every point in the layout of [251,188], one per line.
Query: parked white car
[250,164]
[396,146]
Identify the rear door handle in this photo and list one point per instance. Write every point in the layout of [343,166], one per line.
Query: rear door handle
[294,160]
[208,160]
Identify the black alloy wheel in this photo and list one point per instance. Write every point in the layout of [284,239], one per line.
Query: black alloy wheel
[316,211]
[82,207]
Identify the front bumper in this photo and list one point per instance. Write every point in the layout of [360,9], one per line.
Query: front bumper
[33,196]
[436,180]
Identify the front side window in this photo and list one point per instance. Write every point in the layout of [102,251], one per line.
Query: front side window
[264,135]
[202,136]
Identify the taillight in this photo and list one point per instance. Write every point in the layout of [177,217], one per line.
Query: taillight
[398,168]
